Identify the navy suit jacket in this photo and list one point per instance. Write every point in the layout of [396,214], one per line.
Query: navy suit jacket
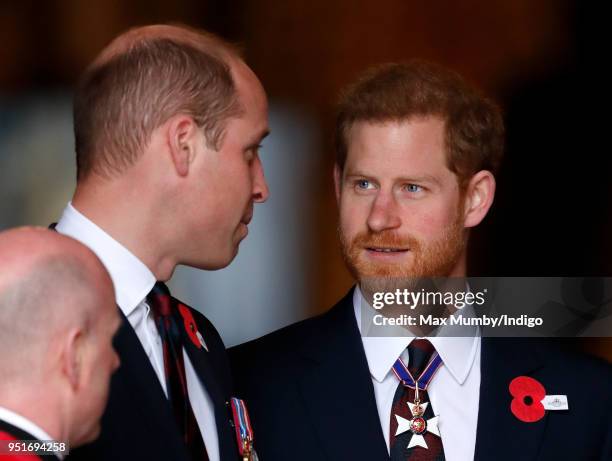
[310,396]
[138,422]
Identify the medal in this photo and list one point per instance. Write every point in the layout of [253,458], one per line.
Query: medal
[417,425]
[244,431]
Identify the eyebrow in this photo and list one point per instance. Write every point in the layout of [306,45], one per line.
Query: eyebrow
[260,138]
[424,178]
[411,179]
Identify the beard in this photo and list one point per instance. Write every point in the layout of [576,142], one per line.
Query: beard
[436,258]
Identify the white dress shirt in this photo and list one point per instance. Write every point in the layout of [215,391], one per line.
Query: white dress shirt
[453,392]
[21,422]
[133,281]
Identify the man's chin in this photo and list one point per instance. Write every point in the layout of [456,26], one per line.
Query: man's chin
[364,269]
[92,434]
[219,261]
[388,283]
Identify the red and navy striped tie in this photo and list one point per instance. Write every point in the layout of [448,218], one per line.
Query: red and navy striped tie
[165,313]
[420,352]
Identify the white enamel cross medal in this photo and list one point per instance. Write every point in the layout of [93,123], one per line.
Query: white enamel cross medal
[417,425]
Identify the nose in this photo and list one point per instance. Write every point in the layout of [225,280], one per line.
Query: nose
[261,192]
[384,214]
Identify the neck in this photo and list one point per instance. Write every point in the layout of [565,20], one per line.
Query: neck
[127,214]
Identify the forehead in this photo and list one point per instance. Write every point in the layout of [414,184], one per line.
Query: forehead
[397,147]
[250,91]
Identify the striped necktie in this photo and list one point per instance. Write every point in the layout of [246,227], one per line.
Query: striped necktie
[420,352]
[167,320]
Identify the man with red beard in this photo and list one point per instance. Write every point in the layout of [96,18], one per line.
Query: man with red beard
[417,150]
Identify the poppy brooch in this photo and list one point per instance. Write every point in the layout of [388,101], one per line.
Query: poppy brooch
[530,401]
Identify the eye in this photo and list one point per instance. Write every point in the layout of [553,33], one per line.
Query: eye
[363,184]
[252,152]
[413,188]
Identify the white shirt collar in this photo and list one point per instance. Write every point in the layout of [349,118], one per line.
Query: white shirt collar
[457,353]
[132,279]
[26,425]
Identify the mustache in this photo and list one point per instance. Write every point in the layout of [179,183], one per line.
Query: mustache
[385,239]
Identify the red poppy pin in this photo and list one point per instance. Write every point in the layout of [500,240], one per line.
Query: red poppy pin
[528,394]
[191,327]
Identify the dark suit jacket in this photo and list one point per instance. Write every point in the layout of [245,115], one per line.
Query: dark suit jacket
[19,434]
[138,422]
[310,396]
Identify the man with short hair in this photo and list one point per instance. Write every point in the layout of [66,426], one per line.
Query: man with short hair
[417,150]
[57,321]
[168,122]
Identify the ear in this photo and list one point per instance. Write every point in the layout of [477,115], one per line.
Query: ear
[182,133]
[478,198]
[337,181]
[72,358]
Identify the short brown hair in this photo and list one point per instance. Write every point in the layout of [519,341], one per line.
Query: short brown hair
[119,102]
[393,92]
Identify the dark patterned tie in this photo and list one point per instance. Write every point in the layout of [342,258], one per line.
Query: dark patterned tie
[167,320]
[420,352]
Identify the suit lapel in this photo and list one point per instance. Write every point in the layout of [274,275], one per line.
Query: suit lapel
[137,377]
[337,390]
[201,361]
[502,360]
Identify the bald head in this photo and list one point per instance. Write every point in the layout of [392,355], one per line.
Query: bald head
[140,80]
[24,249]
[57,320]
[49,284]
